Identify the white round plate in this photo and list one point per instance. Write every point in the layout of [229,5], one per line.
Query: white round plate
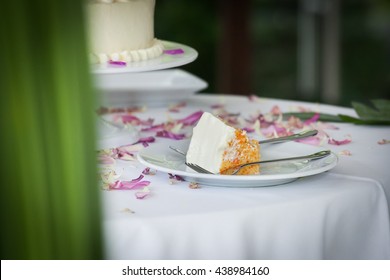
[160,157]
[163,61]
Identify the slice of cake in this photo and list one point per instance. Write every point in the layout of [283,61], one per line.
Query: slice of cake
[122,30]
[216,147]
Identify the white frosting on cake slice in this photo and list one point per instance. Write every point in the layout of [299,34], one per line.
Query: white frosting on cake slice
[209,141]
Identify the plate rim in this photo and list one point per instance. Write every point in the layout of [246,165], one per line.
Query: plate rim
[178,61]
[197,85]
[241,178]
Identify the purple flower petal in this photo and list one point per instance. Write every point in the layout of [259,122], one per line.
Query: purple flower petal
[313,119]
[332,141]
[175,177]
[117,63]
[191,119]
[313,140]
[174,51]
[106,159]
[145,141]
[153,128]
[170,135]
[141,195]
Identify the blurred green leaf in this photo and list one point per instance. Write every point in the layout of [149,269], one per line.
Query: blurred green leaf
[380,112]
[307,115]
[49,205]
[380,115]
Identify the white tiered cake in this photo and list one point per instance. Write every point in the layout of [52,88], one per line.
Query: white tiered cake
[122,30]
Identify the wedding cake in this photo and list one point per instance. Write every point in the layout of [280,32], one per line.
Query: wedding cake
[122,30]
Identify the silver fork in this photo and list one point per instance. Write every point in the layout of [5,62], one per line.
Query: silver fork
[297,136]
[236,169]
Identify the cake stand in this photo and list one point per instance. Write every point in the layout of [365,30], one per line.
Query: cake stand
[110,133]
[161,62]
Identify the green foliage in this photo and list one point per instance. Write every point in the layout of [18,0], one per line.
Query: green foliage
[367,115]
[380,115]
[49,196]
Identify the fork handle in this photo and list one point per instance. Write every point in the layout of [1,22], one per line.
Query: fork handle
[317,155]
[293,137]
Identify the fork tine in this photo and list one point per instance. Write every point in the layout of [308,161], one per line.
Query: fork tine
[197,168]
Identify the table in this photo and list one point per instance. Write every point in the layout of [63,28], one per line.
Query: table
[339,214]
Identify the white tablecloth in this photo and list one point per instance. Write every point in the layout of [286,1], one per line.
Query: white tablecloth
[340,214]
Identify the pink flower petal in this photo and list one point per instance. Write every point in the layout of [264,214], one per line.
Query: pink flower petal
[128,119]
[276,130]
[141,195]
[131,119]
[332,141]
[345,153]
[108,110]
[314,140]
[174,51]
[128,185]
[145,141]
[253,98]
[106,159]
[383,142]
[193,185]
[313,119]
[117,63]
[126,152]
[153,128]
[176,107]
[147,171]
[176,177]
[217,106]
[170,135]
[191,119]
[248,129]
[276,110]
[295,122]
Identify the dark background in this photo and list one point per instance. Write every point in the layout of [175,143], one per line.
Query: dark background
[331,51]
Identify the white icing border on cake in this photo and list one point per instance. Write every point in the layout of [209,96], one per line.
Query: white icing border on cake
[109,1]
[155,50]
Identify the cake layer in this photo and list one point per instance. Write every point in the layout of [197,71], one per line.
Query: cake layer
[122,30]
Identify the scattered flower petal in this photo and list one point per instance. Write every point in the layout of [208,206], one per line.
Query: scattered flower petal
[112,110]
[253,98]
[313,140]
[191,119]
[127,210]
[313,119]
[295,122]
[128,185]
[145,141]
[170,135]
[176,107]
[105,159]
[174,51]
[217,106]
[148,171]
[133,120]
[383,141]
[117,63]
[276,110]
[345,153]
[174,178]
[332,141]
[142,194]
[194,185]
